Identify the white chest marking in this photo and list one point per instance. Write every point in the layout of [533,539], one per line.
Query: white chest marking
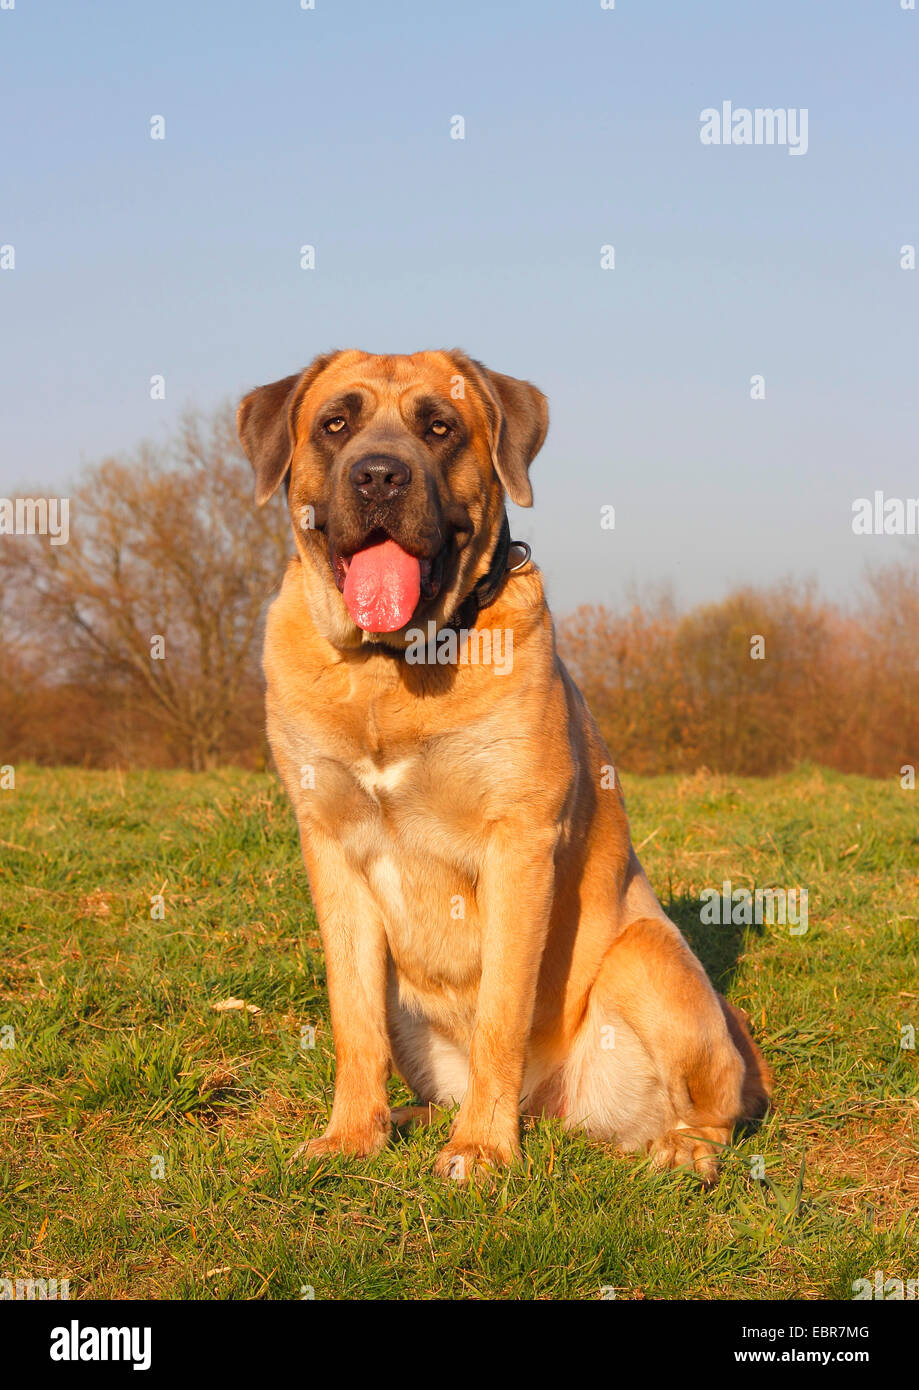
[375,779]
[386,882]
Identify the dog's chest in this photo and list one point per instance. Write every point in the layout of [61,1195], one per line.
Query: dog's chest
[409,820]
[420,860]
[407,808]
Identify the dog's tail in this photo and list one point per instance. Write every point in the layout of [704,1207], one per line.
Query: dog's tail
[757,1084]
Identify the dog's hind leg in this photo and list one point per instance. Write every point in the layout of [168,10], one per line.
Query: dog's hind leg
[709,1072]
[757,1083]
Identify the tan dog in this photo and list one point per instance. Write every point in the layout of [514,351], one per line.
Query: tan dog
[487,927]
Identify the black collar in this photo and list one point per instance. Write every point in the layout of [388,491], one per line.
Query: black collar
[485,590]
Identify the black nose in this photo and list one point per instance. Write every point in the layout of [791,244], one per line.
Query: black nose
[379,478]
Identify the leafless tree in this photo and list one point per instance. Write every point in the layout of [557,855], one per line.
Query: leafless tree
[158,595]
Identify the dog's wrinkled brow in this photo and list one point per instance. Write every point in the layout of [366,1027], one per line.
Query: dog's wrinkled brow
[347,403]
[428,405]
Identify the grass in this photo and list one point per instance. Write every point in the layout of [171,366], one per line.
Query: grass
[122,1068]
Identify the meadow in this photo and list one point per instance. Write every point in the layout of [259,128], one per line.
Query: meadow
[146,1135]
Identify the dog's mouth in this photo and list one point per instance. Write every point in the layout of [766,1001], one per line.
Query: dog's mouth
[382,583]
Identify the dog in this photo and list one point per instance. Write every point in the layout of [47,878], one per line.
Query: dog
[488,930]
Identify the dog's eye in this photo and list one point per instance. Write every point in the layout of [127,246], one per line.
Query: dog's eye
[333,426]
[440,427]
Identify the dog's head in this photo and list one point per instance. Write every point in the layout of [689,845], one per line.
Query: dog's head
[397,469]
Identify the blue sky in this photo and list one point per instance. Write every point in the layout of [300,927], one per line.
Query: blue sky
[332,127]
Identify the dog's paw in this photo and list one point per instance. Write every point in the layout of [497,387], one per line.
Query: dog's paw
[354,1143]
[463,1162]
[695,1147]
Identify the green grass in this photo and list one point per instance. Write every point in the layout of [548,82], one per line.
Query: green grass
[119,1056]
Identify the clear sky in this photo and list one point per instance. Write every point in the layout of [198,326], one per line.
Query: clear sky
[332,127]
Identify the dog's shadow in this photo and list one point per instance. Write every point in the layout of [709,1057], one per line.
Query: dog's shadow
[719,945]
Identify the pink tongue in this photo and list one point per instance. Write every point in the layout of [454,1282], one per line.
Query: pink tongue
[382,587]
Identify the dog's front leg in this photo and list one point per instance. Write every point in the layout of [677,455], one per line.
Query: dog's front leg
[354,944]
[514,892]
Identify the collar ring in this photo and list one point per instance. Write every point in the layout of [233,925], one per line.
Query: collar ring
[520,545]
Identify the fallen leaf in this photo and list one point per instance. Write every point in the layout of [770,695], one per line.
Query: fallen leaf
[227,1004]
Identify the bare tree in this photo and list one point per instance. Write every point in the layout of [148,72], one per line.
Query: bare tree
[159,593]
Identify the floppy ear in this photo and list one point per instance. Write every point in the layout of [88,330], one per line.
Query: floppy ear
[265,423]
[519,418]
